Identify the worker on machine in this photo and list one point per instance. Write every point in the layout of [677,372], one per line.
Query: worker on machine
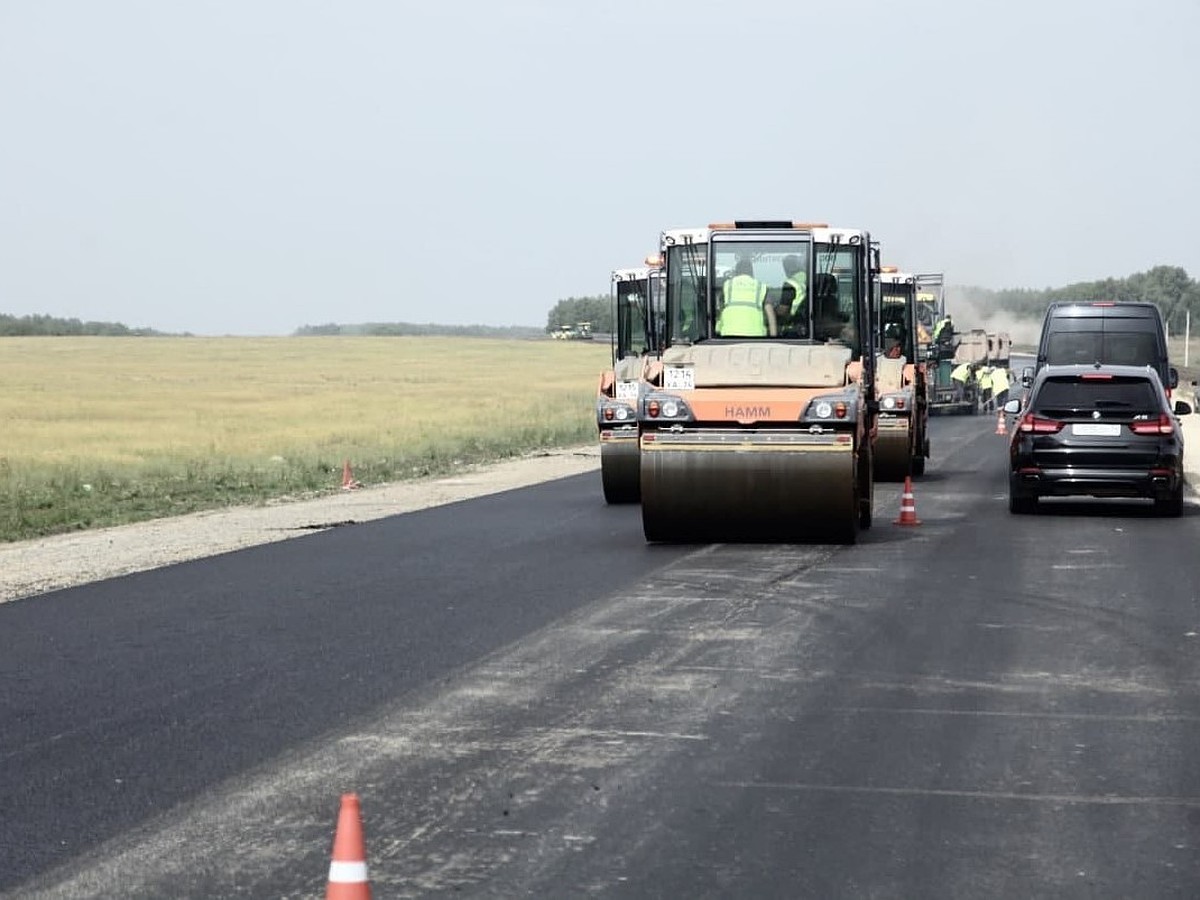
[893,340]
[793,296]
[943,331]
[745,306]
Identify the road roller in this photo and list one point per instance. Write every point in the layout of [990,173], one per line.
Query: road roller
[638,313]
[758,419]
[902,443]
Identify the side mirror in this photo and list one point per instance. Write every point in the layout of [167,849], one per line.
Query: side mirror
[1027,376]
[1012,407]
[1173,377]
[1182,408]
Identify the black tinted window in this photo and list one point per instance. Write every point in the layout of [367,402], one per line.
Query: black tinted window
[1111,396]
[1130,348]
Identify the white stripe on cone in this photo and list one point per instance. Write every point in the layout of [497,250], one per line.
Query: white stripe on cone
[347,872]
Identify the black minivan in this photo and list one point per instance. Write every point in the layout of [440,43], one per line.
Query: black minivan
[1105,333]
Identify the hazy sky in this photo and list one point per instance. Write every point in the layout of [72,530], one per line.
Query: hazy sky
[251,166]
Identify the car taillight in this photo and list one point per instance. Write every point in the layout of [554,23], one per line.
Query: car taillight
[1161,425]
[1036,425]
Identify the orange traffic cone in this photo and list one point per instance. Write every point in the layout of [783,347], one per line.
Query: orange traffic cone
[1000,429]
[908,505]
[348,482]
[348,870]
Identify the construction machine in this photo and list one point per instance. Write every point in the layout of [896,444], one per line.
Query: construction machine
[902,444]
[946,393]
[638,303]
[759,420]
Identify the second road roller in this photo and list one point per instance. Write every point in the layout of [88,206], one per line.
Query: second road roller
[759,417]
[638,303]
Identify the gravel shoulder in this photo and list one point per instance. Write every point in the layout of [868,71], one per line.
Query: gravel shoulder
[67,560]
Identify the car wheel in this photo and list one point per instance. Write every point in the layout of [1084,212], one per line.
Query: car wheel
[1171,505]
[1019,502]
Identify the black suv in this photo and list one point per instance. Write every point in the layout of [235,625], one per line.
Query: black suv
[1096,431]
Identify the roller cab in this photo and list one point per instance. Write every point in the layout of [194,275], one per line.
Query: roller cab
[902,444]
[756,424]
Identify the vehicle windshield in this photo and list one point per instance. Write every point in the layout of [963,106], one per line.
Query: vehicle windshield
[687,268]
[760,288]
[836,303]
[811,290]
[927,315]
[1097,398]
[895,338]
[633,302]
[1123,348]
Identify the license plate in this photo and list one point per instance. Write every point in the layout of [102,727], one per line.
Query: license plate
[1096,429]
[627,390]
[679,378]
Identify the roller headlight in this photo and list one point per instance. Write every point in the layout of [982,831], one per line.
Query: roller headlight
[889,403]
[622,413]
[823,409]
[670,409]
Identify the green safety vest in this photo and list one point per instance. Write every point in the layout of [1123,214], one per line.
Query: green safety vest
[937,329]
[799,283]
[961,373]
[742,314]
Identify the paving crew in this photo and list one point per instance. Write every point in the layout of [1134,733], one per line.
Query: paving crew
[744,305]
[961,373]
[1000,385]
[985,387]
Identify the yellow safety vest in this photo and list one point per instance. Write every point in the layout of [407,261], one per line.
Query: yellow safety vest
[742,314]
[939,327]
[961,373]
[999,381]
[799,283]
[985,379]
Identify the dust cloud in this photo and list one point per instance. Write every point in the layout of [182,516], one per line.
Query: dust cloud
[970,310]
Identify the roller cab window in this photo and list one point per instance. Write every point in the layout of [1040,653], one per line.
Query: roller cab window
[893,320]
[686,308]
[633,301]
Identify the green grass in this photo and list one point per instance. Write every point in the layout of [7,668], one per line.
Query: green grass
[103,431]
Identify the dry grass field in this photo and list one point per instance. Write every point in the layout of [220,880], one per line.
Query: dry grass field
[101,431]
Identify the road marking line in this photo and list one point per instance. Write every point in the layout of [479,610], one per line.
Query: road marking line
[1068,799]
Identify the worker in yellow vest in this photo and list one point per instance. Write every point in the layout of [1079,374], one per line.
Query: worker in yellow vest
[985,388]
[744,308]
[1000,386]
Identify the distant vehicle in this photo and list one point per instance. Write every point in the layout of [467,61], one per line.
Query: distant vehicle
[581,331]
[1096,431]
[1109,333]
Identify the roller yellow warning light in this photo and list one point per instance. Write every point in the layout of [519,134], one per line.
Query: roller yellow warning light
[758,421]
[637,296]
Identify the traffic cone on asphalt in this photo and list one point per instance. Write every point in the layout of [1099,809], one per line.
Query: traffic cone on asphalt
[348,870]
[908,505]
[1000,429]
[348,482]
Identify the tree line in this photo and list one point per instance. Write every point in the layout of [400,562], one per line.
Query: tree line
[52,326]
[1167,287]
